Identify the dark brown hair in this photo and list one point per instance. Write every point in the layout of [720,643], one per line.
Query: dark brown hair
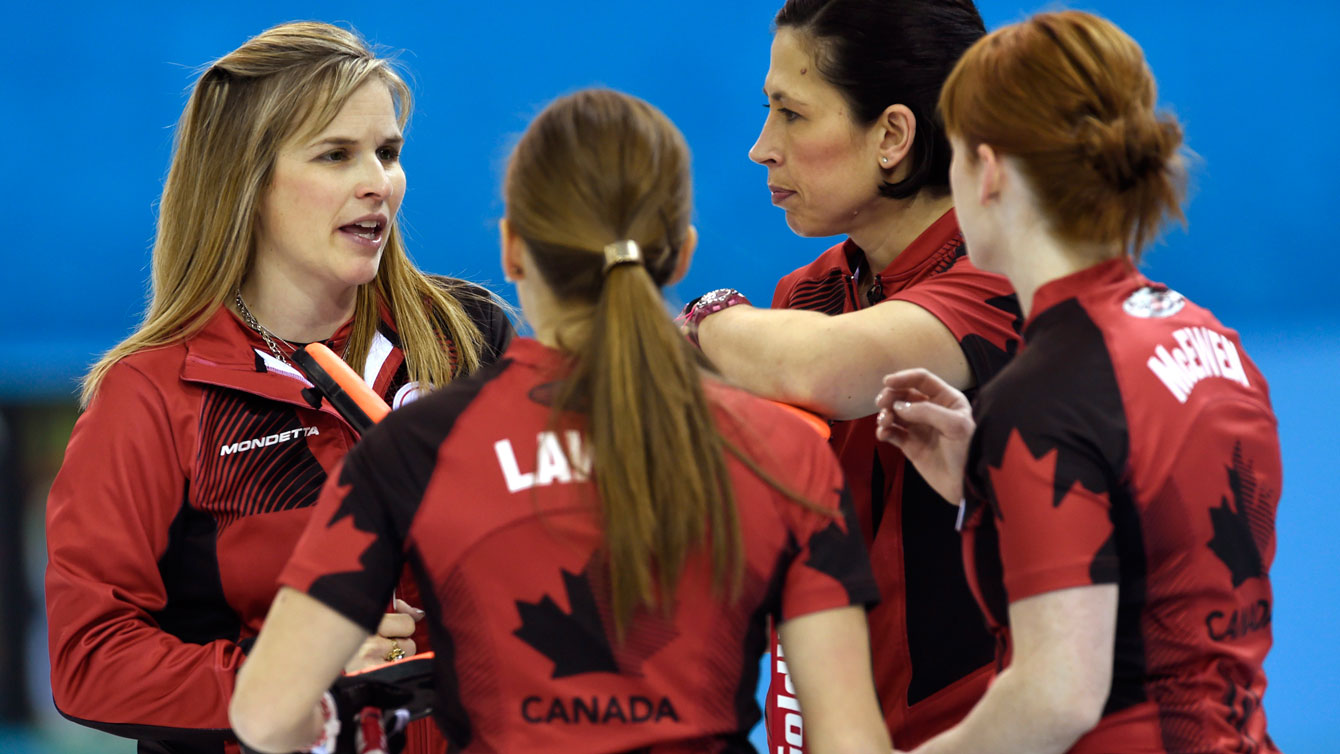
[1069,95]
[597,167]
[880,53]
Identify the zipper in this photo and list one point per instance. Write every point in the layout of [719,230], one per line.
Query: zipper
[872,296]
[853,290]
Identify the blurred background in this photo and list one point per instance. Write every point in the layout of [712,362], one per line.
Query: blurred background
[91,95]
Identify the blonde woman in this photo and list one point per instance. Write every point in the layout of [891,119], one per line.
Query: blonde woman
[600,530]
[201,449]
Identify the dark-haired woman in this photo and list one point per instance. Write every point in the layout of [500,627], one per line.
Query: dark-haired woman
[853,146]
[1122,481]
[600,531]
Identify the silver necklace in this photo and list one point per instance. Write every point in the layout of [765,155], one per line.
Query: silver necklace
[267,336]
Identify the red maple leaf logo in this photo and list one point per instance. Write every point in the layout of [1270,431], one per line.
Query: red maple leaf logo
[344,542]
[580,641]
[1233,541]
[1022,493]
[997,344]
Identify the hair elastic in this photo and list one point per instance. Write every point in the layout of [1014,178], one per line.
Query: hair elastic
[622,252]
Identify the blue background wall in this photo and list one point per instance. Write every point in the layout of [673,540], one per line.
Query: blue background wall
[91,94]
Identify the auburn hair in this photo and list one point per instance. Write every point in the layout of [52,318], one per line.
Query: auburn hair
[242,110]
[593,168]
[1070,97]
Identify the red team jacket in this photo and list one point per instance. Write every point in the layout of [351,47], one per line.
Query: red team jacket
[932,652]
[1132,443]
[184,487]
[496,516]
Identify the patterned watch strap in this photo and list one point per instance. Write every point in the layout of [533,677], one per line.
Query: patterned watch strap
[709,303]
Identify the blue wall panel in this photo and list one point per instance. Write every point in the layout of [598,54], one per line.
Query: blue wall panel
[91,93]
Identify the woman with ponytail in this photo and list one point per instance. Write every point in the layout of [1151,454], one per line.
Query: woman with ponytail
[1121,482]
[600,529]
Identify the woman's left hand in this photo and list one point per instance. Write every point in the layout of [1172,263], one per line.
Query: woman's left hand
[393,634]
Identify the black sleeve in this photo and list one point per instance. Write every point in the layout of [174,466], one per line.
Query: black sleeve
[494,325]
[358,539]
[487,311]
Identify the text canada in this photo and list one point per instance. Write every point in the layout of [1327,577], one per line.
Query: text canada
[601,710]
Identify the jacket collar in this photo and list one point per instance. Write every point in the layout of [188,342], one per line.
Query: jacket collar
[1119,275]
[228,353]
[939,239]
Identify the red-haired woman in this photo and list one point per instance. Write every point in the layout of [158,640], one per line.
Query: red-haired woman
[1122,478]
[599,532]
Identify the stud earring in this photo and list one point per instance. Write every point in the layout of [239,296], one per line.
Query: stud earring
[884,160]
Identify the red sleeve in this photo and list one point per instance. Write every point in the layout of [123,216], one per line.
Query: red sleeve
[831,568]
[109,513]
[1049,539]
[979,308]
[781,295]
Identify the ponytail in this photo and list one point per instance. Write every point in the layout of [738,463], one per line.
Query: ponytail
[600,168]
[659,462]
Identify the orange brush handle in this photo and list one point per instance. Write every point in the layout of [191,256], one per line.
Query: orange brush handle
[378,671]
[816,422]
[349,381]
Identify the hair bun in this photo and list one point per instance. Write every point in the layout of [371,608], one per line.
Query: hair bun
[1129,148]
[1103,162]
